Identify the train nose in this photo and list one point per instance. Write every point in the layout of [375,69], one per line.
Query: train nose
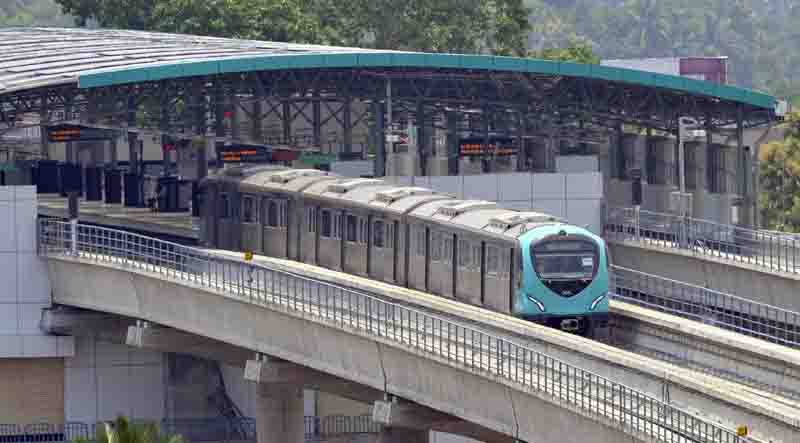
[570,325]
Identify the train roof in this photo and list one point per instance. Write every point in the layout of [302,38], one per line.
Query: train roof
[475,215]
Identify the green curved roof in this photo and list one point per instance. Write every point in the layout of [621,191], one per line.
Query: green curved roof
[36,57]
[423,60]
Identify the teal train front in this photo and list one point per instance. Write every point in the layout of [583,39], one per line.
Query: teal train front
[565,279]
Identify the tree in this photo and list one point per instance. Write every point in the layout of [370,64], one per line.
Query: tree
[273,20]
[779,201]
[120,14]
[123,431]
[577,51]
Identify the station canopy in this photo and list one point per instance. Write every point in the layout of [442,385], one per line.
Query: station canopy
[42,69]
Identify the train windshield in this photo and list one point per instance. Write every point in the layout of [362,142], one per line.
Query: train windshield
[565,259]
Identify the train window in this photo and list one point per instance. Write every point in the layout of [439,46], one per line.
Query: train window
[351,230]
[492,259]
[447,254]
[311,221]
[337,224]
[420,230]
[224,206]
[504,262]
[283,207]
[477,257]
[378,234]
[436,246]
[464,251]
[325,229]
[389,235]
[248,210]
[364,228]
[272,213]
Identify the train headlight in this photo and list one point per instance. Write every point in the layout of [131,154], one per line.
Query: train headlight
[538,303]
[597,302]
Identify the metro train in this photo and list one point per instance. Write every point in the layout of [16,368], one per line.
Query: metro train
[527,264]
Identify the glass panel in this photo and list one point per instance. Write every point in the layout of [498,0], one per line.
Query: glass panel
[464,251]
[352,228]
[326,224]
[224,206]
[491,259]
[565,259]
[248,212]
[378,234]
[272,213]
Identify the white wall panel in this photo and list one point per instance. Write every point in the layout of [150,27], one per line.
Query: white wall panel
[481,187]
[7,226]
[39,346]
[515,187]
[548,206]
[25,224]
[29,316]
[33,286]
[9,319]
[10,345]
[8,275]
[548,186]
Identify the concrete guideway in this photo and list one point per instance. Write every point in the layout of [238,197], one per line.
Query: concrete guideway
[138,288]
[762,365]
[742,279]
[682,385]
[371,362]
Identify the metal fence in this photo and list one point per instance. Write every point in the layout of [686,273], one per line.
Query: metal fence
[765,249]
[459,345]
[192,430]
[706,305]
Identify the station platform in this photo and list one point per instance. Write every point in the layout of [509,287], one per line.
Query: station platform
[173,225]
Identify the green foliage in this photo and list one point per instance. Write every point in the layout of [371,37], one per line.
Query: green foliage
[779,164]
[579,52]
[123,431]
[32,12]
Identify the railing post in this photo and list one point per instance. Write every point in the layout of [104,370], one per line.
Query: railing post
[637,220]
[73,228]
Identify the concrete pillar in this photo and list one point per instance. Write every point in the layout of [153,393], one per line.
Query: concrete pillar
[401,435]
[279,414]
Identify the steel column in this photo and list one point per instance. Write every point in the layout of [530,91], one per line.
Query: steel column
[44,119]
[347,124]
[316,110]
[379,138]
[422,143]
[133,142]
[220,102]
[452,143]
[286,121]
[522,154]
[255,122]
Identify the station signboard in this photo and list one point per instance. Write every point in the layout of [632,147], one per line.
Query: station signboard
[474,146]
[244,154]
[76,133]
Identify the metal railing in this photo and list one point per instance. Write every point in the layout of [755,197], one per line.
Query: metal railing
[705,305]
[764,249]
[191,430]
[459,345]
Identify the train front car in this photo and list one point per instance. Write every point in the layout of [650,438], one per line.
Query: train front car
[565,279]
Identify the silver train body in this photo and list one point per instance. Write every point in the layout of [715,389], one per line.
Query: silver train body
[409,236]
